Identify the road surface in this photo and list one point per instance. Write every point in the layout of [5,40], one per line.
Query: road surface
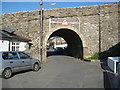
[60,72]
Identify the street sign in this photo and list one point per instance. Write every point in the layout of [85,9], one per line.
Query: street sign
[65,23]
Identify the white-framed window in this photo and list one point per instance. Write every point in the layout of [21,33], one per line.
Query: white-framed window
[15,46]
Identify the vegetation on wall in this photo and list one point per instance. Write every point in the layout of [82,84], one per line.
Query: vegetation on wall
[95,56]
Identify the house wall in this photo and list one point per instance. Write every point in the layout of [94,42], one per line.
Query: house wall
[22,46]
[4,45]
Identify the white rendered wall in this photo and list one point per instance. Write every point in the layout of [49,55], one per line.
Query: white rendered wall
[4,45]
[22,46]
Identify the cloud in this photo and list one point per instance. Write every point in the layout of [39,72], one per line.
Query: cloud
[53,4]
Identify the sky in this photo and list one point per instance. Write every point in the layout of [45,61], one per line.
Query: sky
[10,7]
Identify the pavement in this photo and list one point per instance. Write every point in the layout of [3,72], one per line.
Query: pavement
[114,80]
[112,77]
[61,72]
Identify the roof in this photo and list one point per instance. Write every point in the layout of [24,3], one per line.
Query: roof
[19,38]
[6,29]
[8,34]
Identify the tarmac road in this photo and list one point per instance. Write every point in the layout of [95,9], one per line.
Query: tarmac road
[60,72]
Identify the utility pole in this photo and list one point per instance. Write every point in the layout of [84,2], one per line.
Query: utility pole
[99,32]
[41,30]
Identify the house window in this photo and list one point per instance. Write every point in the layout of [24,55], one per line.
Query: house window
[15,46]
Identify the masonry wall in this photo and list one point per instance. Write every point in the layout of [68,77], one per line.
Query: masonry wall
[98,26]
[109,26]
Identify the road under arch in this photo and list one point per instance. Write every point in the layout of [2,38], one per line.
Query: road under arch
[75,46]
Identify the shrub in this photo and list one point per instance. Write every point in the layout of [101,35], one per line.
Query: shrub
[51,43]
[95,56]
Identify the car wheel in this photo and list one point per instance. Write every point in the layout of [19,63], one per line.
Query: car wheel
[7,73]
[36,67]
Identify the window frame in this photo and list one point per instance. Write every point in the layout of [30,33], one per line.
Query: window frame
[15,46]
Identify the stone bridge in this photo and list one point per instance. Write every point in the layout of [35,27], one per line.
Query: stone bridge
[87,30]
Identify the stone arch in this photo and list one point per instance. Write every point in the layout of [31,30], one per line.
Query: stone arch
[48,34]
[66,27]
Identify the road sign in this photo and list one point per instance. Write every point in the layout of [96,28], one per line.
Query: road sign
[65,23]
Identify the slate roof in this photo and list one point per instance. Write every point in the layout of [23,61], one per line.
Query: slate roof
[8,34]
[6,29]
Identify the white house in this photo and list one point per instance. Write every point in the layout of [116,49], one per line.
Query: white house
[14,46]
[12,42]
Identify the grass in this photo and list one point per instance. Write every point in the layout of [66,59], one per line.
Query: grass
[95,56]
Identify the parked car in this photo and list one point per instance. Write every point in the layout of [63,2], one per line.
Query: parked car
[59,49]
[15,61]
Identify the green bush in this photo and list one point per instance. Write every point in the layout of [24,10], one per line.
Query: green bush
[95,56]
[51,43]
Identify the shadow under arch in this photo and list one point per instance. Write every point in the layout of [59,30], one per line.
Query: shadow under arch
[75,45]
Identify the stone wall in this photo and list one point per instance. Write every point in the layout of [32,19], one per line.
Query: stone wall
[108,26]
[97,26]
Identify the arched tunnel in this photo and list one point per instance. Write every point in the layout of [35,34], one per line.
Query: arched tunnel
[75,47]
